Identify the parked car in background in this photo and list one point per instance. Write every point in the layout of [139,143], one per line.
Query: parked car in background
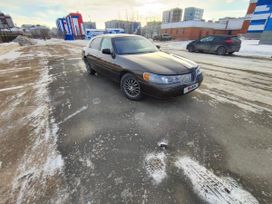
[140,67]
[163,37]
[219,44]
[90,33]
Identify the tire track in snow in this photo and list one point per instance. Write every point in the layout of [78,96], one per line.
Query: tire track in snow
[211,188]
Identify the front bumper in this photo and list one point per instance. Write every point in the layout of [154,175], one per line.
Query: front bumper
[168,91]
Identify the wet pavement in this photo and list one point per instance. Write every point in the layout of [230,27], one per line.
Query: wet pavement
[105,145]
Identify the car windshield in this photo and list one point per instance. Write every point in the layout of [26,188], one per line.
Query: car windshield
[133,45]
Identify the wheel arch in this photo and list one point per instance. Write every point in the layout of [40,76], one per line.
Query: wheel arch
[219,46]
[123,73]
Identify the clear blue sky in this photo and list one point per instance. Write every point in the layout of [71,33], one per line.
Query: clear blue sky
[45,12]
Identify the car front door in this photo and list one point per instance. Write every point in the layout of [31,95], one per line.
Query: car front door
[93,53]
[108,61]
[205,44]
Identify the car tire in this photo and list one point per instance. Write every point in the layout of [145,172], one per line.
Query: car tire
[191,48]
[89,68]
[221,51]
[131,88]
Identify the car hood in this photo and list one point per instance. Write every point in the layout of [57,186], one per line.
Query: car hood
[161,63]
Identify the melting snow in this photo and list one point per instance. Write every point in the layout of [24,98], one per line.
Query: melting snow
[41,160]
[74,114]
[54,163]
[155,166]
[96,101]
[11,88]
[213,189]
[12,55]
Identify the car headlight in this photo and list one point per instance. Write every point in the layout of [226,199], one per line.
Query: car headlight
[198,71]
[164,79]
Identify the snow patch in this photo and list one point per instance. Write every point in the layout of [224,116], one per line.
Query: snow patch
[253,48]
[246,105]
[9,51]
[74,114]
[87,162]
[211,188]
[155,166]
[5,71]
[96,101]
[54,163]
[42,160]
[11,88]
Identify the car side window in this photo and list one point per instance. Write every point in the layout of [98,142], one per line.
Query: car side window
[106,44]
[207,39]
[95,44]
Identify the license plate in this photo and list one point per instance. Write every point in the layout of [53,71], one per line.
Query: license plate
[190,88]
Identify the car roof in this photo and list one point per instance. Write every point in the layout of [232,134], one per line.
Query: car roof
[225,36]
[117,35]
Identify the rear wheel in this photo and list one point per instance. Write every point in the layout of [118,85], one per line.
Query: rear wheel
[221,51]
[89,68]
[191,48]
[131,87]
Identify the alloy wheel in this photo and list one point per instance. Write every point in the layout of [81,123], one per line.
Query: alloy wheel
[132,87]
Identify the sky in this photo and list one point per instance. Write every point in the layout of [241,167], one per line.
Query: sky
[45,12]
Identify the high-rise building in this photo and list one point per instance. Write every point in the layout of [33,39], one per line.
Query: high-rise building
[166,17]
[172,16]
[193,14]
[128,26]
[175,15]
[151,29]
[89,25]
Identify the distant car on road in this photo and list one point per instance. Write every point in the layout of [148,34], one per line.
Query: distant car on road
[163,37]
[140,67]
[219,44]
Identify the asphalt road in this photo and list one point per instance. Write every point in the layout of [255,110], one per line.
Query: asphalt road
[105,139]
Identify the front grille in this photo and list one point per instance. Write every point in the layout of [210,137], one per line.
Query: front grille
[194,75]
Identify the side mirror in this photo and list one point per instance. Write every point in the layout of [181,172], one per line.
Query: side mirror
[159,47]
[106,51]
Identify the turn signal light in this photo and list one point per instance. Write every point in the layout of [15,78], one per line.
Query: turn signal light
[146,76]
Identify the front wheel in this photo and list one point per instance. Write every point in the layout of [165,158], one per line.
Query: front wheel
[89,68]
[131,87]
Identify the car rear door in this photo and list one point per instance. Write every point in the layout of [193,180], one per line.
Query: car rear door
[92,53]
[236,43]
[108,63]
